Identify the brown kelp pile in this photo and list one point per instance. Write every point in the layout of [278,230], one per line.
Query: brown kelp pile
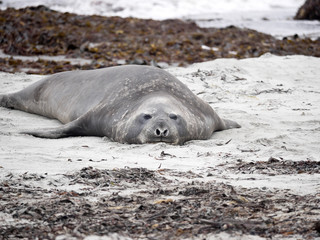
[110,41]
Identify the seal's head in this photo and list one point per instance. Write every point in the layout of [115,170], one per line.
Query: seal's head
[159,118]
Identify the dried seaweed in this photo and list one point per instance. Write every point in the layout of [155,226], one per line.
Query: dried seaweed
[140,203]
[276,167]
[111,41]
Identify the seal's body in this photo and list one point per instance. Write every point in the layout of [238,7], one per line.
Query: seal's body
[128,104]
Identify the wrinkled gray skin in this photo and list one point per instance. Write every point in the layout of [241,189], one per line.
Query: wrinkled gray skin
[128,104]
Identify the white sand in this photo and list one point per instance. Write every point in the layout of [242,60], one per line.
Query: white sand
[275,99]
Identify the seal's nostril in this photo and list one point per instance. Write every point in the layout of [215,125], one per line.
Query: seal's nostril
[165,132]
[158,132]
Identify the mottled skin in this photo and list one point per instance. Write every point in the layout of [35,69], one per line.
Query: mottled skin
[128,104]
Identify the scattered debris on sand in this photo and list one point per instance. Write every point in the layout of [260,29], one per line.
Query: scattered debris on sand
[141,203]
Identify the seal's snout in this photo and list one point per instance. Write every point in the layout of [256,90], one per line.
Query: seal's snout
[162,132]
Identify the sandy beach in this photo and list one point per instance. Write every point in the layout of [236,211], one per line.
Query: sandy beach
[251,61]
[274,99]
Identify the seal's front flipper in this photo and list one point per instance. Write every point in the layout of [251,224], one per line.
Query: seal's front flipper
[67,130]
[230,124]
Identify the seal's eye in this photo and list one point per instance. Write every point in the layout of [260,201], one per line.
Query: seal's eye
[173,116]
[147,116]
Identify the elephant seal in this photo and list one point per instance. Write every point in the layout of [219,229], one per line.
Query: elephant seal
[128,104]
